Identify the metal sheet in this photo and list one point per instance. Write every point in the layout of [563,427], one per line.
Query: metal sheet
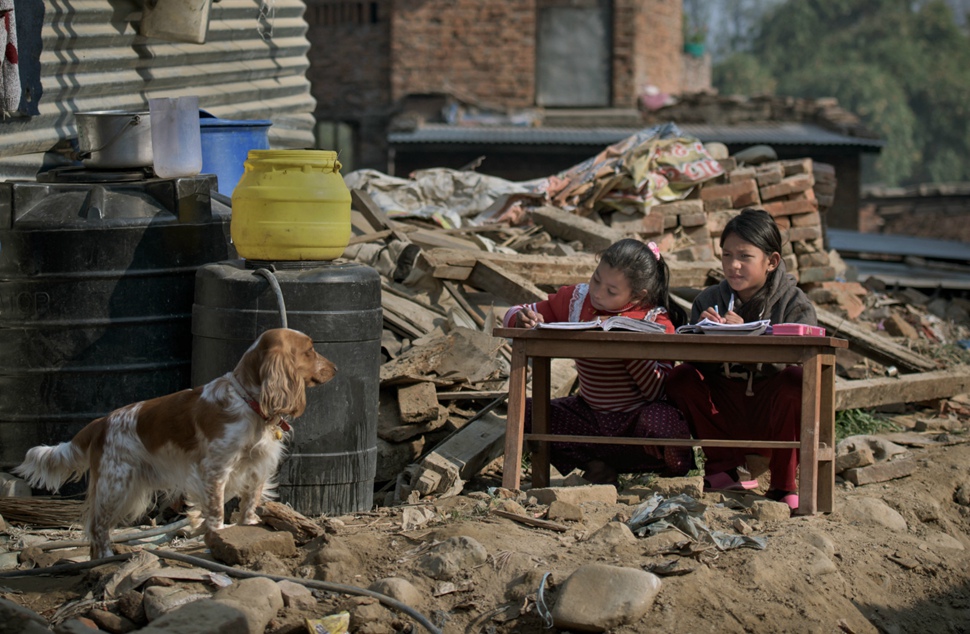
[93,58]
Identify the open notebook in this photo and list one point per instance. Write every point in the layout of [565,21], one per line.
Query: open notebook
[616,322]
[708,327]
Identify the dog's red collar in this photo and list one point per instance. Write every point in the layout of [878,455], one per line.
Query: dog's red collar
[254,404]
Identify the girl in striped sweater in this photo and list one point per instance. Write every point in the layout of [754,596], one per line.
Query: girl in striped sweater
[617,397]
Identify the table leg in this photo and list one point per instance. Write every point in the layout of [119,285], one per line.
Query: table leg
[540,420]
[826,434]
[808,452]
[515,421]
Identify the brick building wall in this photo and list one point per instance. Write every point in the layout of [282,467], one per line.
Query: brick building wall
[478,51]
[658,48]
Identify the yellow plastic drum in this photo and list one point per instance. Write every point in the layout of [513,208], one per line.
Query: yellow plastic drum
[291,205]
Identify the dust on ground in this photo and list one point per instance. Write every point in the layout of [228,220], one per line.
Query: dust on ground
[827,573]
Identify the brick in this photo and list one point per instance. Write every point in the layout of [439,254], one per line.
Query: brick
[742,193]
[696,253]
[717,219]
[797,166]
[742,174]
[896,326]
[791,264]
[671,221]
[783,222]
[855,288]
[808,194]
[699,235]
[769,174]
[729,164]
[718,204]
[789,207]
[679,207]
[818,274]
[806,220]
[797,234]
[651,224]
[693,220]
[788,185]
[809,260]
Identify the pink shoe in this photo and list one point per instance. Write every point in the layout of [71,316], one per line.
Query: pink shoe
[722,481]
[788,497]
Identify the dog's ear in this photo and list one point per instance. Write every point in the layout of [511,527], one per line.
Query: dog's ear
[282,390]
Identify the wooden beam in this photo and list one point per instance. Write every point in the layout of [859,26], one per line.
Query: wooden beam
[491,277]
[908,388]
[566,226]
[878,348]
[371,211]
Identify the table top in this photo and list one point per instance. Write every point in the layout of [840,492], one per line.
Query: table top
[681,347]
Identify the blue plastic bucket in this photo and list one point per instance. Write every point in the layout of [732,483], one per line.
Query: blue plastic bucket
[225,145]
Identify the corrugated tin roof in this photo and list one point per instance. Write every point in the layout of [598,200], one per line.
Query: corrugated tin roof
[895,245]
[93,58]
[740,134]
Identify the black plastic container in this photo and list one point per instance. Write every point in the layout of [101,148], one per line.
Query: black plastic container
[332,455]
[96,291]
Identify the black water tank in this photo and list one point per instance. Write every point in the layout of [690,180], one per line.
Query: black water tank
[332,456]
[96,291]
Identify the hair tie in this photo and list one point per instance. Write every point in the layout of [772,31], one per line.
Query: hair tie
[655,249]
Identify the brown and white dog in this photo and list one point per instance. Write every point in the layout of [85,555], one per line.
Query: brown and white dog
[208,444]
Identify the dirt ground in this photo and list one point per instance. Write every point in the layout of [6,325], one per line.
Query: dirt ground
[840,572]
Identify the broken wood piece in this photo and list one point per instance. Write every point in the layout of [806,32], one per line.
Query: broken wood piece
[371,211]
[595,236]
[531,521]
[283,518]
[459,297]
[471,395]
[907,388]
[516,289]
[422,319]
[878,348]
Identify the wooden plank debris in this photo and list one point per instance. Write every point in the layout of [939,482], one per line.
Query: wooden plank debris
[907,388]
[514,288]
[594,235]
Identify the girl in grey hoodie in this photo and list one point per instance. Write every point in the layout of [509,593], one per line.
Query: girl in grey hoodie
[731,401]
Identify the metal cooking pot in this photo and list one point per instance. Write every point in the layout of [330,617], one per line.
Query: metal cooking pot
[113,139]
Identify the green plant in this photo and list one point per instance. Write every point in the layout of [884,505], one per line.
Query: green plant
[854,422]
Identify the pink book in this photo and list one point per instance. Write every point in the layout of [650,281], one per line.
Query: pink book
[797,329]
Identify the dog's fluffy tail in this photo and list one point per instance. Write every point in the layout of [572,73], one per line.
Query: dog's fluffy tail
[50,467]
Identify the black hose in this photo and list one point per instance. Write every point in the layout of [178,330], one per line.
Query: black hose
[273,282]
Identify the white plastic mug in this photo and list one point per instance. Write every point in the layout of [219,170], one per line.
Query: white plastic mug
[176,138]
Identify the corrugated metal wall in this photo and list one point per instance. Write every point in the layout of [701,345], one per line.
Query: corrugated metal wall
[94,59]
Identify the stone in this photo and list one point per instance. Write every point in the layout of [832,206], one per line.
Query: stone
[296,595]
[452,556]
[861,457]
[258,598]
[200,617]
[159,600]
[111,622]
[867,510]
[77,625]
[605,493]
[560,510]
[881,471]
[770,511]
[16,618]
[822,542]
[237,545]
[597,598]
[613,534]
[399,589]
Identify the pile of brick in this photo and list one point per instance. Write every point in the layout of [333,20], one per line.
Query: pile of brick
[689,230]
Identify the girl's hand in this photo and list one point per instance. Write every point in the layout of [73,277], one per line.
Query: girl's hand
[527,318]
[711,314]
[733,318]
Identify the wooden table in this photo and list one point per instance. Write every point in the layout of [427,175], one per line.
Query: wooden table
[816,355]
